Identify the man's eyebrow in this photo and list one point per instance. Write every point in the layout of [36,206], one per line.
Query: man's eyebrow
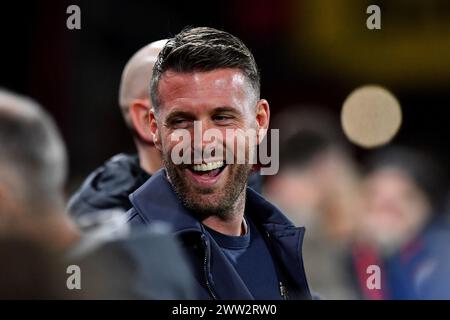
[225,109]
[179,113]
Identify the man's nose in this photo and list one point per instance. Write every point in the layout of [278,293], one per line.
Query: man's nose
[207,142]
[200,128]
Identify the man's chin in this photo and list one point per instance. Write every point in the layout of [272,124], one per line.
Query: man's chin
[208,193]
[205,203]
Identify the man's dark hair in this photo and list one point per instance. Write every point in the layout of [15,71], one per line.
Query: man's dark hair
[204,49]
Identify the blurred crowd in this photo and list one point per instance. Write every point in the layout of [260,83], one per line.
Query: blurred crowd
[388,210]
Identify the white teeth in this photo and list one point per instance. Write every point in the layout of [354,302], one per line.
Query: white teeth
[208,166]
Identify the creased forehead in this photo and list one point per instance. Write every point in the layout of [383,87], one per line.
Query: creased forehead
[227,83]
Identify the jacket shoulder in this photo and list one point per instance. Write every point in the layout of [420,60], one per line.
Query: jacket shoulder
[108,186]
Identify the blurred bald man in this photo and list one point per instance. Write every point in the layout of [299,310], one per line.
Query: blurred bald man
[109,186]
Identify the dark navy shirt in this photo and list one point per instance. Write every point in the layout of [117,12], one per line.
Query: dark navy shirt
[252,260]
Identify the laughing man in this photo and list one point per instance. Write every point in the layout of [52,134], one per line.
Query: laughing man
[239,245]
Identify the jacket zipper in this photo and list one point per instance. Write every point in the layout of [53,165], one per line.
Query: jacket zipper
[283,290]
[205,269]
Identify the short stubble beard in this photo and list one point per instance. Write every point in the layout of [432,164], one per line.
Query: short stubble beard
[229,198]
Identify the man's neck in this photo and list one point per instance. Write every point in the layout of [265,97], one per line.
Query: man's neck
[53,230]
[234,224]
[149,157]
[62,234]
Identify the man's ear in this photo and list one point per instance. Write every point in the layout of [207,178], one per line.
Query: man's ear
[154,130]
[139,115]
[262,118]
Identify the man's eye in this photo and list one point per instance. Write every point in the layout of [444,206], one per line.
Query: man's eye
[221,118]
[179,123]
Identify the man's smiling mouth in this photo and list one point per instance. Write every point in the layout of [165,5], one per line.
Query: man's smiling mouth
[206,174]
[205,167]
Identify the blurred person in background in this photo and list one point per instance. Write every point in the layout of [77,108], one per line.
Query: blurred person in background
[32,175]
[109,186]
[403,228]
[114,264]
[318,185]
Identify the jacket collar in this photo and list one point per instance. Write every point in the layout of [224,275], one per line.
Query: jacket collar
[156,200]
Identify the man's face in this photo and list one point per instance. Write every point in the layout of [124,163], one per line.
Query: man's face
[220,99]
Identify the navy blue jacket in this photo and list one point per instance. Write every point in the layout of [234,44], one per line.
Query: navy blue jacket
[214,275]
